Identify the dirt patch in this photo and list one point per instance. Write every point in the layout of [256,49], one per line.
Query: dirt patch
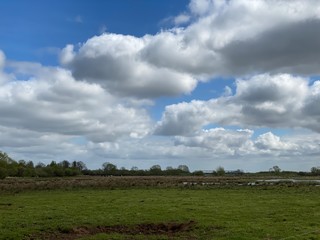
[168,229]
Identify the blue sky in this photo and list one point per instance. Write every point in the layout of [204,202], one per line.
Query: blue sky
[34,27]
[205,83]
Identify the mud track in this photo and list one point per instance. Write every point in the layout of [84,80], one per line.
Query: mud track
[168,229]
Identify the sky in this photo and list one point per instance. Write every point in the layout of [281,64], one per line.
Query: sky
[203,83]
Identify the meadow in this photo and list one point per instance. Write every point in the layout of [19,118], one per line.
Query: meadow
[157,208]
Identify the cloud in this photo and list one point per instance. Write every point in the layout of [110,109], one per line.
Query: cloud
[103,28]
[226,21]
[2,60]
[52,116]
[4,77]
[201,7]
[187,118]
[241,38]
[273,101]
[292,48]
[112,60]
[225,38]
[181,19]
[220,141]
[94,105]
[271,142]
[77,19]
[53,102]
[240,149]
[226,142]
[67,54]
[22,138]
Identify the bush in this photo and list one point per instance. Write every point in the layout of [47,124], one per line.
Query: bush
[3,173]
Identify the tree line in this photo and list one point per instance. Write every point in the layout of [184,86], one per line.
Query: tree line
[12,168]
[109,169]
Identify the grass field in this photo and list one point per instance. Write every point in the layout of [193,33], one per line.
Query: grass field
[238,212]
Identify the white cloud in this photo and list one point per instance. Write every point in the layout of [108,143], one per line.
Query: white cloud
[4,77]
[220,141]
[113,61]
[226,143]
[272,101]
[227,91]
[201,7]
[53,117]
[242,38]
[181,19]
[271,142]
[226,38]
[101,98]
[2,60]
[53,102]
[187,118]
[103,29]
[236,20]
[67,54]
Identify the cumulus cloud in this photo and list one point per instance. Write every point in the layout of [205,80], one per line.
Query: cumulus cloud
[22,138]
[225,38]
[270,142]
[99,93]
[3,76]
[53,102]
[113,61]
[292,48]
[220,141]
[201,7]
[273,101]
[226,142]
[232,147]
[187,118]
[224,22]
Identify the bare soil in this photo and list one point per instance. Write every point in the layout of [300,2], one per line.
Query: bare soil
[168,229]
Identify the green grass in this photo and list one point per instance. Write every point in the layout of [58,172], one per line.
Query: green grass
[222,213]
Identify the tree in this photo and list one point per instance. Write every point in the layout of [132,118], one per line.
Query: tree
[275,169]
[220,171]
[109,168]
[65,164]
[79,165]
[40,165]
[134,168]
[315,170]
[156,167]
[30,164]
[22,163]
[155,170]
[3,173]
[53,164]
[183,168]
[5,159]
